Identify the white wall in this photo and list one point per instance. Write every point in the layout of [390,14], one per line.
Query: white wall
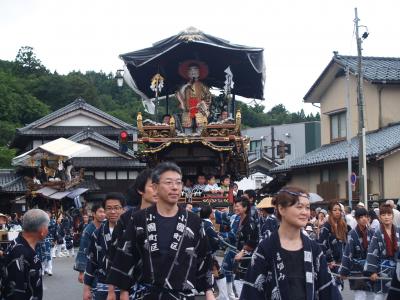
[250,182]
[80,120]
[96,151]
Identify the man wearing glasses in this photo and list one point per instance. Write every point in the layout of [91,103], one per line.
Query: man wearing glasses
[98,260]
[165,250]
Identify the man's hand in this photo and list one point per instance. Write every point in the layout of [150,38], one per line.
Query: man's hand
[87,293]
[374,277]
[80,277]
[111,293]
[210,295]
[239,256]
[343,277]
[124,295]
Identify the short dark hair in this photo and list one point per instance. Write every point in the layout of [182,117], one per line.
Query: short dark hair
[96,207]
[287,196]
[360,212]
[208,177]
[251,194]
[205,211]
[166,115]
[162,168]
[133,196]
[224,177]
[114,196]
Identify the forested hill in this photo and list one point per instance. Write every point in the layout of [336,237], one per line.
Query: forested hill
[28,91]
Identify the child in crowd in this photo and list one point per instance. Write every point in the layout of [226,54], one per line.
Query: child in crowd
[211,186]
[187,186]
[201,183]
[225,183]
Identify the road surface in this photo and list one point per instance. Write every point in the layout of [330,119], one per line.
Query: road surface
[64,285]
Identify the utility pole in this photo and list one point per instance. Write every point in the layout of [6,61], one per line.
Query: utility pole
[348,133]
[273,143]
[362,165]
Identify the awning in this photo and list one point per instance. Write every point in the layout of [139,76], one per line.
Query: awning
[56,195]
[77,192]
[60,195]
[59,148]
[46,191]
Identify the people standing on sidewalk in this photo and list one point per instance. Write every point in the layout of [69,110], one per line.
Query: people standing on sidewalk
[23,268]
[81,257]
[288,264]
[98,262]
[355,254]
[165,249]
[383,252]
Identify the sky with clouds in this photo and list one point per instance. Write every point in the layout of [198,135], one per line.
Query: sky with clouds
[298,36]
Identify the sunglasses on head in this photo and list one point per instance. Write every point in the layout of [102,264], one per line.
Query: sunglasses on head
[297,194]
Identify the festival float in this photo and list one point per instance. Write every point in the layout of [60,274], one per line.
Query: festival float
[204,75]
[50,175]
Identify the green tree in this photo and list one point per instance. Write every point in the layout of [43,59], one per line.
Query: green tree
[28,63]
[6,155]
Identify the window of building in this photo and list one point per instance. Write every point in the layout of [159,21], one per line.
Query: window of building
[101,175]
[328,175]
[122,175]
[133,174]
[111,175]
[255,145]
[338,126]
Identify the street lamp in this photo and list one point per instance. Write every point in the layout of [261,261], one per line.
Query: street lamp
[120,78]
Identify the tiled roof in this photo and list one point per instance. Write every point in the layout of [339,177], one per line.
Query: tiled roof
[107,162]
[66,131]
[10,182]
[77,104]
[90,183]
[93,135]
[378,143]
[375,69]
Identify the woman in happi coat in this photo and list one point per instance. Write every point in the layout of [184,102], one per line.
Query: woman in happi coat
[355,253]
[333,237]
[382,252]
[246,241]
[288,264]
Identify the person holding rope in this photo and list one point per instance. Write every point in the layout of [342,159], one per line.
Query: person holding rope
[382,253]
[226,219]
[394,290]
[332,238]
[288,264]
[354,255]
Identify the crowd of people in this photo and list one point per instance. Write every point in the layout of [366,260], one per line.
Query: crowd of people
[155,248]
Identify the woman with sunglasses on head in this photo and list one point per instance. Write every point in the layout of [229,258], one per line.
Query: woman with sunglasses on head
[382,253]
[288,264]
[333,237]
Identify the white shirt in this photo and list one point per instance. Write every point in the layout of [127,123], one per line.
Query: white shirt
[351,221]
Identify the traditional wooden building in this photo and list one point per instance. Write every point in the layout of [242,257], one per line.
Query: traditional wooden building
[106,168]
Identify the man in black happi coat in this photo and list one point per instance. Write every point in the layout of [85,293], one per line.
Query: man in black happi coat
[165,250]
[23,268]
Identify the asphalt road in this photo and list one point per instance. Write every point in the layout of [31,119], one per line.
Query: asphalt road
[64,285]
